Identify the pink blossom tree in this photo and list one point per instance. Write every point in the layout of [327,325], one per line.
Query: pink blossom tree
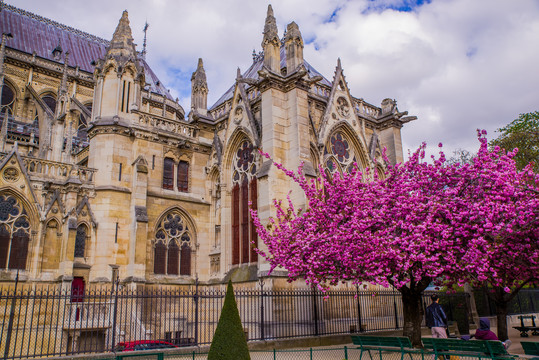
[502,224]
[421,223]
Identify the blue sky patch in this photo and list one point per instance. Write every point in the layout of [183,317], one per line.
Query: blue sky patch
[332,17]
[398,5]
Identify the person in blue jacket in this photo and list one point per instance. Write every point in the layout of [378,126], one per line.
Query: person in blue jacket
[436,319]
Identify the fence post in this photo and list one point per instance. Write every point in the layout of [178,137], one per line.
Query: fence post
[451,317]
[117,281]
[315,310]
[274,354]
[360,327]
[345,352]
[195,298]
[311,353]
[532,302]
[519,303]
[261,281]
[395,310]
[11,316]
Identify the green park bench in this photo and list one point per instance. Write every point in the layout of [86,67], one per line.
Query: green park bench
[481,349]
[525,328]
[380,344]
[531,348]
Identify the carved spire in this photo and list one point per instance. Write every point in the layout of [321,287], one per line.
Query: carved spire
[271,43]
[146,26]
[122,40]
[199,89]
[293,43]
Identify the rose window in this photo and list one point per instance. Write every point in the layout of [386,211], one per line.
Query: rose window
[339,155]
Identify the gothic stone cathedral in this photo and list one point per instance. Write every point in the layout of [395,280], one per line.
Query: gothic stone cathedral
[104,175]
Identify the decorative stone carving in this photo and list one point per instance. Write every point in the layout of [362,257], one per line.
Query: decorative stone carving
[215,264]
[343,108]
[72,224]
[11,174]
[141,213]
[238,115]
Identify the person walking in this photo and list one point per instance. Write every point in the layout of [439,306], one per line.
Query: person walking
[435,318]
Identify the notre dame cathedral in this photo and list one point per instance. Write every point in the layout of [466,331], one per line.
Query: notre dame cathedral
[103,175]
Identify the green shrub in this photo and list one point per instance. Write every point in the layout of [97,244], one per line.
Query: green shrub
[229,340]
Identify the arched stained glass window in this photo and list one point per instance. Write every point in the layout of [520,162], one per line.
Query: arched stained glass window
[14,233]
[244,189]
[172,251]
[80,241]
[185,260]
[7,103]
[8,98]
[168,174]
[183,176]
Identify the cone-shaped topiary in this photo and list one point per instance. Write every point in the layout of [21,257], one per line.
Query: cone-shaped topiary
[229,341]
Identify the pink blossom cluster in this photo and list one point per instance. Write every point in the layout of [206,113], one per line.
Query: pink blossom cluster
[423,222]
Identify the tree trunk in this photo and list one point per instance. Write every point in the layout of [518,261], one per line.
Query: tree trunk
[501,317]
[412,311]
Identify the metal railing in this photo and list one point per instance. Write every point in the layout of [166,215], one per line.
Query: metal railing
[55,322]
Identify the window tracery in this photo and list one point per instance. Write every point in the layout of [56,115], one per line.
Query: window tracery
[339,155]
[14,233]
[8,99]
[172,250]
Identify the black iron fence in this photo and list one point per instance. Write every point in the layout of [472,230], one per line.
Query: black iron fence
[525,302]
[53,322]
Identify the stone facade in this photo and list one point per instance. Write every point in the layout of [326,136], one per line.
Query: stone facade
[103,175]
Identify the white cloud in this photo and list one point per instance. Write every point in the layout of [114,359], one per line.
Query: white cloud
[456,64]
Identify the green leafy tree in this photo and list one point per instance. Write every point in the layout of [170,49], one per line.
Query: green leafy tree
[521,133]
[229,340]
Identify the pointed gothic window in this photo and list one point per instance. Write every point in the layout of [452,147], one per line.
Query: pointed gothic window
[80,241]
[14,233]
[7,103]
[183,176]
[8,99]
[168,174]
[339,156]
[172,251]
[244,189]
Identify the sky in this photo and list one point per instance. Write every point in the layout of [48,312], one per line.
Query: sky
[458,65]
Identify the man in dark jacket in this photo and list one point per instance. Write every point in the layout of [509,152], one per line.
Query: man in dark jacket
[436,319]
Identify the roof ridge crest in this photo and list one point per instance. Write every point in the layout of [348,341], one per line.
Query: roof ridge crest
[40,18]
